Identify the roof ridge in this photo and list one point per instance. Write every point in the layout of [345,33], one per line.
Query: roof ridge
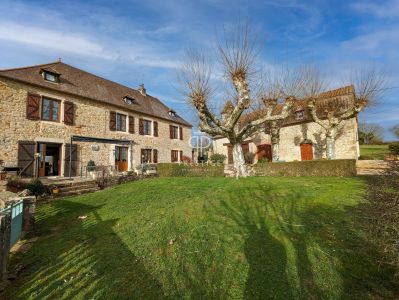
[28,67]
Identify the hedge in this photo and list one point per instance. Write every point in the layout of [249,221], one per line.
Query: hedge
[185,170]
[336,167]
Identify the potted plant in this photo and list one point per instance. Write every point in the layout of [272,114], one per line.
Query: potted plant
[54,189]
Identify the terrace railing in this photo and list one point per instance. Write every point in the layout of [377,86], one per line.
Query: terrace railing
[16,212]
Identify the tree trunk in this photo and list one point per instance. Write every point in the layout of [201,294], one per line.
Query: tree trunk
[239,161]
[330,146]
[275,152]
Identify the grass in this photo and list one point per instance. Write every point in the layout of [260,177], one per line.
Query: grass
[216,238]
[374,152]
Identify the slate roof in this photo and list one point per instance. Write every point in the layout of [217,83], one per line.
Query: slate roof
[77,82]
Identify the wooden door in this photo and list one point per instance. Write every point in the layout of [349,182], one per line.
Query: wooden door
[42,159]
[306,151]
[264,151]
[26,157]
[121,162]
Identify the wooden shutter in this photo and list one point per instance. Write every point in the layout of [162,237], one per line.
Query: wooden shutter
[155,128]
[141,126]
[33,107]
[74,152]
[155,154]
[181,155]
[112,121]
[68,113]
[181,132]
[171,131]
[131,124]
[26,157]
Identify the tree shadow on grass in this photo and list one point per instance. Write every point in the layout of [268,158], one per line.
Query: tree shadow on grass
[85,260]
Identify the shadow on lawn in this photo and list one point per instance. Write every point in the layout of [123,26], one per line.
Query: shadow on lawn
[312,251]
[87,261]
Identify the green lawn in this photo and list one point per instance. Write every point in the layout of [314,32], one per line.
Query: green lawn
[374,151]
[209,238]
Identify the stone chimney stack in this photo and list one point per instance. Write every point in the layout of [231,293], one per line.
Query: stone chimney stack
[142,89]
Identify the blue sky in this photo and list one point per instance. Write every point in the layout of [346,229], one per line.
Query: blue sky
[143,41]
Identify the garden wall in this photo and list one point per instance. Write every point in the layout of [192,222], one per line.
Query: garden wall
[338,167]
[185,170]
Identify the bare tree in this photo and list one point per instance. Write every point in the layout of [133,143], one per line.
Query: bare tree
[395,130]
[237,53]
[370,133]
[366,87]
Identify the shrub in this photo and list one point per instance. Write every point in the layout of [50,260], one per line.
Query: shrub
[186,159]
[338,167]
[217,158]
[37,188]
[263,160]
[249,157]
[184,170]
[91,166]
[394,148]
[203,158]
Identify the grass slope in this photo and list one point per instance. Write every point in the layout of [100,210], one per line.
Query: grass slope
[253,238]
[374,151]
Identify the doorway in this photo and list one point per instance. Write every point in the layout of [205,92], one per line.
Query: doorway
[306,151]
[121,162]
[50,159]
[264,152]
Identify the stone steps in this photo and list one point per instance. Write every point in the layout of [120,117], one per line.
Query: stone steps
[76,192]
[76,188]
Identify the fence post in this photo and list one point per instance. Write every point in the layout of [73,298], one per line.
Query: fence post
[5,236]
[28,220]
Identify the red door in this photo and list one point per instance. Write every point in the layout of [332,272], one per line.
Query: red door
[306,151]
[264,151]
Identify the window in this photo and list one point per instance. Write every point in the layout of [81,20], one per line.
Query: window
[175,155]
[299,115]
[50,110]
[120,122]
[172,113]
[147,127]
[146,156]
[174,132]
[48,76]
[128,100]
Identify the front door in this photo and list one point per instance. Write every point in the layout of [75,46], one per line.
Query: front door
[306,151]
[121,162]
[49,161]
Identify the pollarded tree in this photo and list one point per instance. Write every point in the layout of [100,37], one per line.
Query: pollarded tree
[238,55]
[366,88]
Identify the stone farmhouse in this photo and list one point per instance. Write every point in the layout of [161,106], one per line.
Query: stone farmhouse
[55,118]
[300,137]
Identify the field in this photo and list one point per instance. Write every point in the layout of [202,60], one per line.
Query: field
[374,152]
[209,238]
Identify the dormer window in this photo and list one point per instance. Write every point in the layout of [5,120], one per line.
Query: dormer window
[128,100]
[299,114]
[172,113]
[50,75]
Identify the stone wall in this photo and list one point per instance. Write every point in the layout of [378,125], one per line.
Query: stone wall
[91,119]
[347,146]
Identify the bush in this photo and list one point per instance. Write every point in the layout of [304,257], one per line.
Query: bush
[91,166]
[184,170]
[249,157]
[218,158]
[203,158]
[338,167]
[394,148]
[186,159]
[263,160]
[37,188]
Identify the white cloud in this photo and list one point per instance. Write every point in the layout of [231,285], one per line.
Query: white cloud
[384,10]
[46,38]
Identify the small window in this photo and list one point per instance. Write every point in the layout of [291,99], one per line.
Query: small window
[299,115]
[146,156]
[128,100]
[50,110]
[147,127]
[120,122]
[48,76]
[175,156]
[172,113]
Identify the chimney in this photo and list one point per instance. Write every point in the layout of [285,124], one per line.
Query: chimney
[142,89]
